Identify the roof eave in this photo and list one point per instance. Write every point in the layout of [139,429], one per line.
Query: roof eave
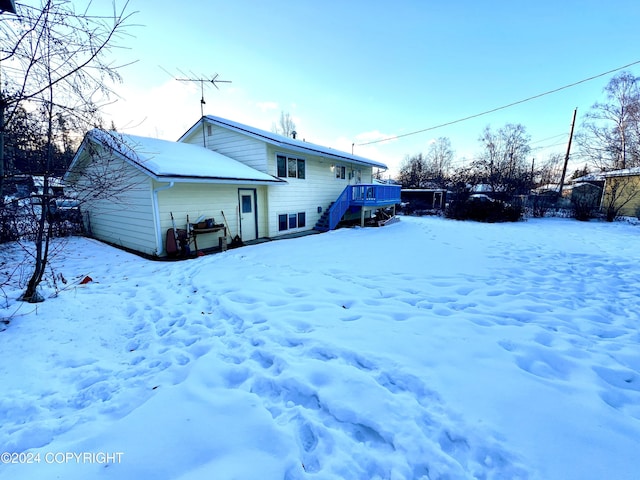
[336,156]
[216,180]
[298,147]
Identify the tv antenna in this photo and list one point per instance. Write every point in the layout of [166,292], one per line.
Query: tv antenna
[214,81]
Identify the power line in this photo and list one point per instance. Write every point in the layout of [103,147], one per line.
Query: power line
[549,138]
[500,108]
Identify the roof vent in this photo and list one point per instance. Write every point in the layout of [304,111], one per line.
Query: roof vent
[293,134]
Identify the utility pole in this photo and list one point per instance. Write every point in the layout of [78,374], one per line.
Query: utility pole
[533,164]
[214,81]
[566,157]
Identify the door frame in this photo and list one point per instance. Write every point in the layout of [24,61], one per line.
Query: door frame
[254,196]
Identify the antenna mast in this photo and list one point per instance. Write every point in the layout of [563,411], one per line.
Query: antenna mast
[214,81]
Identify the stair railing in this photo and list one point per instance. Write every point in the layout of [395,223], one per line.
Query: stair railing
[339,208]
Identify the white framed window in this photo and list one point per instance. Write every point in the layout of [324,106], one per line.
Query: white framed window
[340,171]
[291,221]
[291,167]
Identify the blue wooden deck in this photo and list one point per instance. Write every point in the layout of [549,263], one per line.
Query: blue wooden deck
[361,196]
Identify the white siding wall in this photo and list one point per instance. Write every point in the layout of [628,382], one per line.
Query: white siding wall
[240,147]
[126,220]
[318,189]
[196,199]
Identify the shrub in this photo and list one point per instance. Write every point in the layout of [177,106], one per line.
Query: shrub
[583,212]
[541,204]
[484,209]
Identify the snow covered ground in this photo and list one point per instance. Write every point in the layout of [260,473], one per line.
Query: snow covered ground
[427,349]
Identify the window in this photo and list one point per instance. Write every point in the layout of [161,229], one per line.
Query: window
[290,221]
[282,166]
[246,204]
[293,168]
[282,222]
[341,171]
[209,130]
[289,167]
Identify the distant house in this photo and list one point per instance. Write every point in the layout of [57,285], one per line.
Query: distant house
[586,191]
[621,196]
[245,182]
[552,189]
[56,186]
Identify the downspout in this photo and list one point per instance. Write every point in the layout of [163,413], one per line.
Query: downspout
[156,211]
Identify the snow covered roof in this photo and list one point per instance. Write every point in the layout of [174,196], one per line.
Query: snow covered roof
[166,160]
[387,181]
[38,181]
[424,190]
[586,184]
[626,172]
[590,177]
[285,142]
[485,187]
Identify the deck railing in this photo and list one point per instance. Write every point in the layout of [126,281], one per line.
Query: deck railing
[362,196]
[372,195]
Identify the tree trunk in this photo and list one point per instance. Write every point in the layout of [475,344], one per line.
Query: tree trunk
[45,223]
[2,172]
[31,294]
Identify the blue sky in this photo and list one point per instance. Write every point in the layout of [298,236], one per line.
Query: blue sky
[353,72]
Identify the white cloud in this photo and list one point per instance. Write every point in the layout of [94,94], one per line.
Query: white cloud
[165,111]
[266,106]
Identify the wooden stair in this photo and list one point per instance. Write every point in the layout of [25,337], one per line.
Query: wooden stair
[322,224]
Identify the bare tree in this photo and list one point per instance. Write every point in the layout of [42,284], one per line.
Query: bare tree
[610,134]
[438,161]
[549,172]
[503,164]
[54,59]
[421,170]
[413,171]
[285,126]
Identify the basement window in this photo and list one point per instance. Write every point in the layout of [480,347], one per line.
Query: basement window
[291,221]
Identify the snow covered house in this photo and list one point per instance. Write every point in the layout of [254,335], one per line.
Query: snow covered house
[247,183]
[323,185]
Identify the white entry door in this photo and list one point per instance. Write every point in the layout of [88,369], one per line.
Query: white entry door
[248,214]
